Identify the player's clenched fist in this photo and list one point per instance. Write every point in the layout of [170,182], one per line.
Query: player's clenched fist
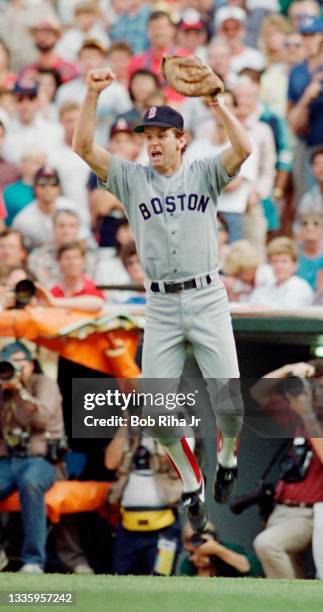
[98,80]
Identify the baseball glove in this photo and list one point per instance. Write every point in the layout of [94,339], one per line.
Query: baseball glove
[189,77]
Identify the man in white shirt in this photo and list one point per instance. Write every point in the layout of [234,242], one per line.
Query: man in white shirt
[197,114]
[28,127]
[35,221]
[113,101]
[230,24]
[86,25]
[288,290]
[73,171]
[233,200]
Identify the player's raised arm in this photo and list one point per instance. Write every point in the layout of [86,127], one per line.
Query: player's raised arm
[232,157]
[97,157]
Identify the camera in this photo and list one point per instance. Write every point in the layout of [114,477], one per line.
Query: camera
[293,385]
[263,497]
[294,466]
[8,371]
[142,457]
[25,290]
[17,441]
[56,449]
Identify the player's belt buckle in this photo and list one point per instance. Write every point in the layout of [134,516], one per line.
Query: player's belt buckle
[174,287]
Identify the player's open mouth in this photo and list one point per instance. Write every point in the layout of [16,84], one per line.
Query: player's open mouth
[156,155]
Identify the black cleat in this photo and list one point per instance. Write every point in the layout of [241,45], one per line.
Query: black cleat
[196,509]
[225,480]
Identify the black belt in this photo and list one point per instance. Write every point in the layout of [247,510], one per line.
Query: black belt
[295,504]
[177,287]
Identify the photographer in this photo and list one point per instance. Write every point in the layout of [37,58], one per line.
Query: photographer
[205,555]
[148,536]
[31,436]
[298,388]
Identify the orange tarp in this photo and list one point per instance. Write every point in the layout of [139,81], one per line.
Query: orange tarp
[77,336]
[66,497]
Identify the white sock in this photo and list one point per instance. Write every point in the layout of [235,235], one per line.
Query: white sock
[227,451]
[184,461]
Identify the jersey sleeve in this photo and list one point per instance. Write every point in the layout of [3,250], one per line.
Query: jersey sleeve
[120,176]
[214,174]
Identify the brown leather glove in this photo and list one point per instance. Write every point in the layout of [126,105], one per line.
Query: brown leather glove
[189,77]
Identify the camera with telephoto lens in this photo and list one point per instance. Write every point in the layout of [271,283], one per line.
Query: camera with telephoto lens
[8,371]
[17,442]
[141,459]
[294,466]
[263,497]
[25,290]
[56,449]
[293,385]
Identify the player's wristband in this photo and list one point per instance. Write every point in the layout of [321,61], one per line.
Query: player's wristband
[218,101]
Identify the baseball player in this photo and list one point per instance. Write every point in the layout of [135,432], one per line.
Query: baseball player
[171,205]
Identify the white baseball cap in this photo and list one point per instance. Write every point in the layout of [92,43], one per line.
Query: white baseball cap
[229,12]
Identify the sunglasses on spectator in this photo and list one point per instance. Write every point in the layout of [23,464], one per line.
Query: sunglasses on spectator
[23,97]
[52,181]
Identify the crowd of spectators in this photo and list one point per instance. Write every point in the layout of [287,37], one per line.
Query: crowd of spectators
[58,228]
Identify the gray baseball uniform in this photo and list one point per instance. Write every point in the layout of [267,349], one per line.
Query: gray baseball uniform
[174,221]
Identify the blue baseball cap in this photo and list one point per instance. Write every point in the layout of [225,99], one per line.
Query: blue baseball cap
[15,347]
[25,86]
[161,116]
[311,25]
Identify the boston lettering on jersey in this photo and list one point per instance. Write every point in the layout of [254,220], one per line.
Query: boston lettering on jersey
[171,204]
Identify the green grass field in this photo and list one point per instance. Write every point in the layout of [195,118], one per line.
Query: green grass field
[154,594]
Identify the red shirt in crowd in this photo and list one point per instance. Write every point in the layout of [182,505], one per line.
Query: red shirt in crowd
[86,287]
[309,490]
[152,62]
[3,212]
[67,70]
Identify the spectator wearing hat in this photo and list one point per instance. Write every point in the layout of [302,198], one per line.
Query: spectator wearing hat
[106,209]
[230,24]
[28,127]
[112,102]
[35,221]
[16,17]
[305,100]
[31,413]
[46,33]
[9,172]
[192,33]
[20,193]
[299,10]
[87,25]
[69,165]
[131,26]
